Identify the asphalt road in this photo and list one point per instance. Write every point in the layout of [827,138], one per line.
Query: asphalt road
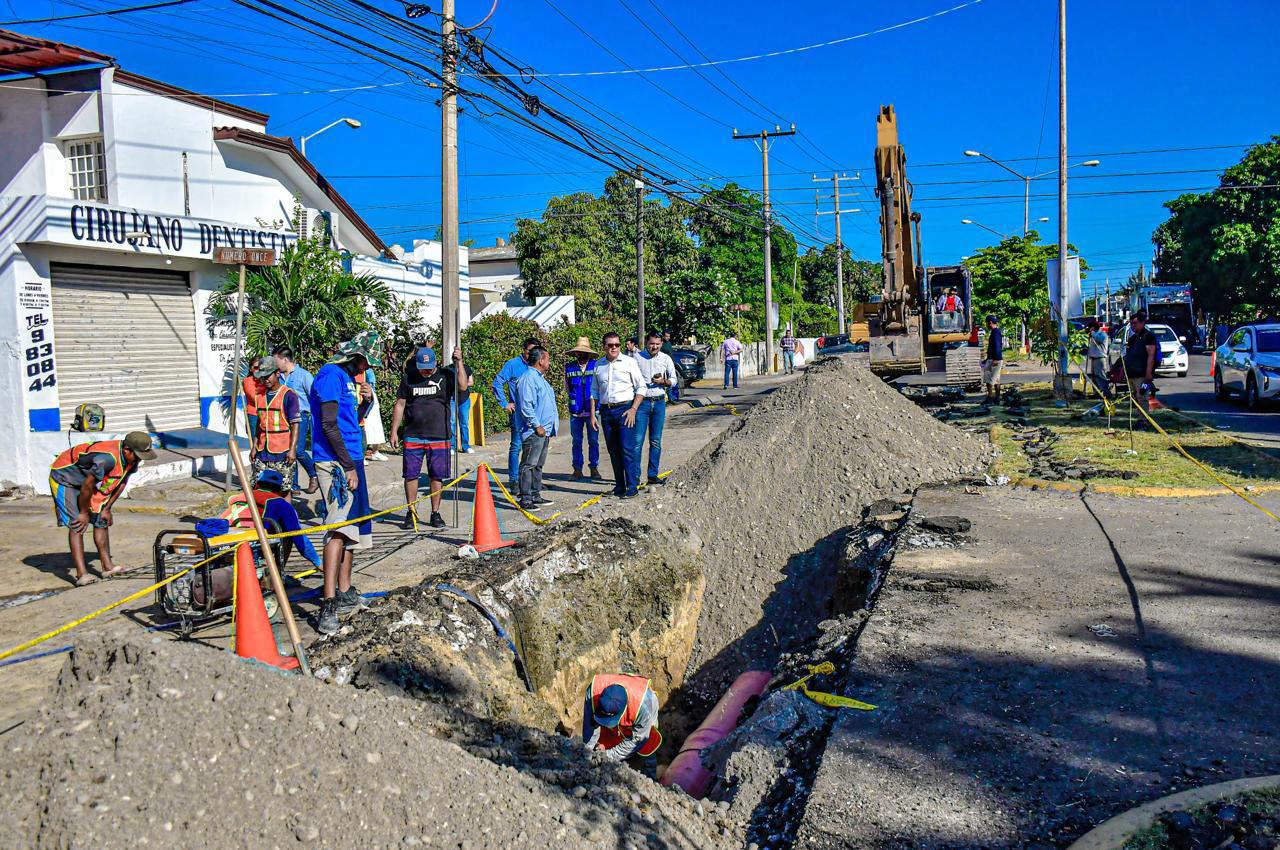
[1194,395]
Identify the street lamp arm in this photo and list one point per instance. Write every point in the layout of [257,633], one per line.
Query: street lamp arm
[997,162]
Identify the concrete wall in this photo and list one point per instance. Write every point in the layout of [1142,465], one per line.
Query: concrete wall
[418,278]
[752,360]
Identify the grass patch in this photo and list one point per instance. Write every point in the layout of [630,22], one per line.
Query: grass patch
[1156,462]
[1264,801]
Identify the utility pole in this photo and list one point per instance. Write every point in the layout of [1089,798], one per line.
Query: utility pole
[1108,299]
[450,283]
[640,256]
[764,137]
[835,184]
[1062,384]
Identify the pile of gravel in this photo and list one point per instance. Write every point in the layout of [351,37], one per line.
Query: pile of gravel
[771,494]
[172,745]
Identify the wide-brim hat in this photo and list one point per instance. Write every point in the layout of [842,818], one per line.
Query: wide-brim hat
[364,344]
[583,346]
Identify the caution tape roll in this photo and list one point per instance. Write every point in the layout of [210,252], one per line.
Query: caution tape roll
[822,697]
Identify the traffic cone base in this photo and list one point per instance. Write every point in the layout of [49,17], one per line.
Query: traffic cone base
[254,638]
[485,534]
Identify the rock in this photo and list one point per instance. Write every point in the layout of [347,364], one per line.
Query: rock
[946,524]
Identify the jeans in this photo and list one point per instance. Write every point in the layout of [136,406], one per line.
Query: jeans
[731,367]
[578,425]
[513,451]
[788,361]
[624,454]
[304,450]
[533,455]
[651,417]
[461,428]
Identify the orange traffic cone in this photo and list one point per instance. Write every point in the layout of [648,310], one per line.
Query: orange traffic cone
[254,638]
[1213,362]
[485,534]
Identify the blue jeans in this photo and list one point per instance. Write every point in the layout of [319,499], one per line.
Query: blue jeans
[731,367]
[788,361]
[513,451]
[304,450]
[651,418]
[577,426]
[462,429]
[624,455]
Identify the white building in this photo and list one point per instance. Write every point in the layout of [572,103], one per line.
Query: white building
[114,191]
[496,278]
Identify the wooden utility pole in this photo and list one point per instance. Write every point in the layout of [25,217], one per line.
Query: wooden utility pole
[640,256]
[451,279]
[1062,382]
[835,179]
[764,137]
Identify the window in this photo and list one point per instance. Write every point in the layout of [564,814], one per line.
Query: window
[88,168]
[1268,341]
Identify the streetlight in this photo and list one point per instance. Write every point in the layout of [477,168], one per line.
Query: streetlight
[1027,178]
[350,122]
[984,227]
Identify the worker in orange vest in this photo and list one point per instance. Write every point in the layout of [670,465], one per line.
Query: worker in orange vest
[85,481]
[275,443]
[273,506]
[620,717]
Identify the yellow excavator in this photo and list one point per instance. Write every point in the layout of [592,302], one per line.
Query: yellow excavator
[922,321]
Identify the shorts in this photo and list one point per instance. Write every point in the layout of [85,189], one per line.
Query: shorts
[66,505]
[437,455]
[991,371]
[341,505]
[284,467]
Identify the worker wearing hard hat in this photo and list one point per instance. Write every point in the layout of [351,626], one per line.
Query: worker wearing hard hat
[620,718]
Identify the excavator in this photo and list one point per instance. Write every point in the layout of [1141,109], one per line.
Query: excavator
[922,321]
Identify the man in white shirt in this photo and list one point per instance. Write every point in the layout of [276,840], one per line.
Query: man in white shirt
[1098,354]
[617,390]
[659,373]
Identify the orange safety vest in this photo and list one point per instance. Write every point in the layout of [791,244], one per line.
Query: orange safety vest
[237,511]
[636,687]
[273,425]
[114,479]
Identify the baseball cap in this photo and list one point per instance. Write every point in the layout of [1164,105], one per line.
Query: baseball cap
[139,443]
[266,367]
[271,478]
[426,358]
[610,706]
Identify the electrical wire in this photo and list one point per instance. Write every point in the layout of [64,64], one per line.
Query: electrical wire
[97,14]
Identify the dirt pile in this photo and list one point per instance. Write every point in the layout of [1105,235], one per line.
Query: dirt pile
[171,745]
[771,496]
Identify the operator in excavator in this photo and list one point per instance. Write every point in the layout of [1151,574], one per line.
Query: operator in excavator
[620,718]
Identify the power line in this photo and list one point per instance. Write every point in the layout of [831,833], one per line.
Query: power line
[121,11]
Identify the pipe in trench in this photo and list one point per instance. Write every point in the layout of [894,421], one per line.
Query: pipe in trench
[686,769]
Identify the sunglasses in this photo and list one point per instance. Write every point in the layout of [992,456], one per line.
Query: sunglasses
[613,345]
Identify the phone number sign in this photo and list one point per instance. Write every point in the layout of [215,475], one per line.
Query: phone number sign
[35,303]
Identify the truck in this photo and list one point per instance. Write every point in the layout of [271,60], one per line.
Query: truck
[921,323]
[1171,304]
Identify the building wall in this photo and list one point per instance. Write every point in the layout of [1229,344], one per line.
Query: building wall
[417,278]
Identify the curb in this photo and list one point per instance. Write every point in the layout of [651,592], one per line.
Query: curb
[1111,834]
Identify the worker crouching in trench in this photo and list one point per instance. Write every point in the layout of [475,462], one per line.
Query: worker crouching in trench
[620,718]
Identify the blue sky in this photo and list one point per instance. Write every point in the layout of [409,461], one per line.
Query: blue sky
[1144,75]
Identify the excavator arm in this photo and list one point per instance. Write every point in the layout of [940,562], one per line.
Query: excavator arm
[896,345]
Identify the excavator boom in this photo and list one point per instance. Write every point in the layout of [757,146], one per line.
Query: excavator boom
[896,345]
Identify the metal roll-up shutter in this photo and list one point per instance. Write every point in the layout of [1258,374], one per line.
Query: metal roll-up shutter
[126,339]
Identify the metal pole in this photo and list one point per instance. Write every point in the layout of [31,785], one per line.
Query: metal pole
[235,382]
[1062,199]
[1026,206]
[640,256]
[768,261]
[450,294]
[835,182]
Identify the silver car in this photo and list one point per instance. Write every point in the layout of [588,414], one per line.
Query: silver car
[1173,354]
[1248,363]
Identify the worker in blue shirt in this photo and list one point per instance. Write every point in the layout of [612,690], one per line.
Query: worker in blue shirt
[504,390]
[268,492]
[578,374]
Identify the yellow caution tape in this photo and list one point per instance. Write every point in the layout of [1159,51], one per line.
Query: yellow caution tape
[537,520]
[1215,476]
[821,697]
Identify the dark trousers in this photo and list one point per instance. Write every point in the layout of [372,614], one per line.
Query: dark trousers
[624,454]
[533,454]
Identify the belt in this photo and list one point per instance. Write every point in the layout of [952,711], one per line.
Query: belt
[616,405]
[662,398]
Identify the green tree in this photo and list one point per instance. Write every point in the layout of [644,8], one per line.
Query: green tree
[1226,243]
[862,278]
[308,301]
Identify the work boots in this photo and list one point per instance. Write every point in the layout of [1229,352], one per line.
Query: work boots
[595,473]
[577,474]
[327,623]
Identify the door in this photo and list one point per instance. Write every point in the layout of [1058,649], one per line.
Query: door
[1233,368]
[126,339]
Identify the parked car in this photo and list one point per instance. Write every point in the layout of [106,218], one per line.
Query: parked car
[690,363]
[1174,359]
[1249,363]
[839,344]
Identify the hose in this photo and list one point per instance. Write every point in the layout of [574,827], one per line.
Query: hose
[497,627]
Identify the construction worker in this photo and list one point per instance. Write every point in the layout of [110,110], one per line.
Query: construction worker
[578,375]
[620,718]
[270,493]
[275,444]
[85,481]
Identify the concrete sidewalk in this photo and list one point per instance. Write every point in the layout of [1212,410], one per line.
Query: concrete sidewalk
[1080,656]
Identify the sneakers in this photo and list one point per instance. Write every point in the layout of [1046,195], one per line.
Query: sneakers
[348,601]
[531,507]
[654,480]
[577,474]
[411,520]
[437,521]
[543,500]
[327,623]
[595,473]
[468,451]
[378,456]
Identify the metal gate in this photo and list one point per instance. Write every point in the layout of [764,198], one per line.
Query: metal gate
[126,339]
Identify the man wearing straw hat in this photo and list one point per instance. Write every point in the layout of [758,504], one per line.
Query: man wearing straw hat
[577,386]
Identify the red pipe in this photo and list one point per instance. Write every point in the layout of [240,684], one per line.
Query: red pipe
[686,769]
